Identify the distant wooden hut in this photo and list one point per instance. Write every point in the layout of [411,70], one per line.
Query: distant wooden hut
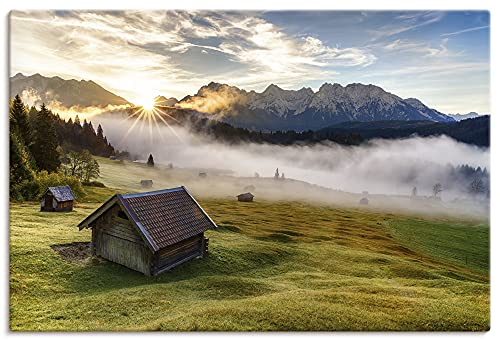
[247,197]
[146,183]
[364,201]
[202,175]
[57,199]
[149,232]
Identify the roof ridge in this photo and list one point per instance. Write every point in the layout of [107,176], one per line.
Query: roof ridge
[160,191]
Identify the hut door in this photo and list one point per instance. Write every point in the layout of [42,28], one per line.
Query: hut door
[48,202]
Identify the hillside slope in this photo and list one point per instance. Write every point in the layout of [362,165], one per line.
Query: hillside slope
[66,93]
[271,266]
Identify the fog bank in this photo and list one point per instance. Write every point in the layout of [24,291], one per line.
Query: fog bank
[380,166]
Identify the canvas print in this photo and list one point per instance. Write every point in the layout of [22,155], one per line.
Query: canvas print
[249,170]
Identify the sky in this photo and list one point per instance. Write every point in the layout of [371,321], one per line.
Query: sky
[439,57]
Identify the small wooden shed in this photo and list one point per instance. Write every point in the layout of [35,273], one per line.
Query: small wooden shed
[149,232]
[248,197]
[57,199]
[146,183]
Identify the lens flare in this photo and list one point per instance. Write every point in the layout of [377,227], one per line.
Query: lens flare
[150,117]
[147,103]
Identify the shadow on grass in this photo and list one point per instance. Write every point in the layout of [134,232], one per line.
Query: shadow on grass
[250,261]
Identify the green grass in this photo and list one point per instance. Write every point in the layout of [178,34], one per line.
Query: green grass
[463,244]
[271,266]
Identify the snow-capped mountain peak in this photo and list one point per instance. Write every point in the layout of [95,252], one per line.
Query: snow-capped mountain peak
[281,102]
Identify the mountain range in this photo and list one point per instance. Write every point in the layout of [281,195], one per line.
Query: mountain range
[461,117]
[55,91]
[272,109]
[278,109]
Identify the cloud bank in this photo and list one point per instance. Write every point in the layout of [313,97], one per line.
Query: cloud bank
[381,166]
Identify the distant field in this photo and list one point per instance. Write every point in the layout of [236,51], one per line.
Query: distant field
[463,244]
[273,265]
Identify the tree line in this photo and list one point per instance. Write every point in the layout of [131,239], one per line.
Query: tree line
[225,132]
[474,131]
[46,150]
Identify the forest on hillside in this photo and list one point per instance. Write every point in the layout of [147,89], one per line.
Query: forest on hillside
[46,150]
[474,131]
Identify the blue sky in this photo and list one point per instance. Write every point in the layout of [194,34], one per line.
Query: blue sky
[440,57]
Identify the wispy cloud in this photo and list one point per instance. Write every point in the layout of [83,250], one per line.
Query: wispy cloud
[425,49]
[477,28]
[158,50]
[406,22]
[136,54]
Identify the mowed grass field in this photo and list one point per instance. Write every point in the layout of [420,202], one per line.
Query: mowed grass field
[271,266]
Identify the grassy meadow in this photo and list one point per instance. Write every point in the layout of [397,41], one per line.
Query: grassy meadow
[272,265]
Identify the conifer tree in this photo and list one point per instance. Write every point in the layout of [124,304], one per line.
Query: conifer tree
[100,133]
[23,185]
[45,141]
[151,162]
[19,122]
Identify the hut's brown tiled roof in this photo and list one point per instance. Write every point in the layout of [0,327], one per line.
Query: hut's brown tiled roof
[168,216]
[164,217]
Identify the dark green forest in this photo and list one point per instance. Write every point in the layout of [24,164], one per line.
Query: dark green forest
[44,149]
[473,131]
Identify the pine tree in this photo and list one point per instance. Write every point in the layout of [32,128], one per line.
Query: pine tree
[32,115]
[19,122]
[151,162]
[100,133]
[45,141]
[23,185]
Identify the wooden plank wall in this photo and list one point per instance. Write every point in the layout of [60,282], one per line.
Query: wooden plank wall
[116,239]
[186,249]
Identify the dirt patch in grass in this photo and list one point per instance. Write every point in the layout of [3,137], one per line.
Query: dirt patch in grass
[77,252]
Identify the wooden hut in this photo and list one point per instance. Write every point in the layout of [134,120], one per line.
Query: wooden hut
[363,201]
[149,232]
[248,197]
[146,183]
[57,199]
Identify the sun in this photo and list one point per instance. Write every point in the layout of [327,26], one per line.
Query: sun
[147,103]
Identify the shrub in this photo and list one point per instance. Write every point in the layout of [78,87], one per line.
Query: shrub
[47,180]
[24,190]
[93,184]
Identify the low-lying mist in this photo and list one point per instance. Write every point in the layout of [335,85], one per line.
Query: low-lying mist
[31,97]
[388,167]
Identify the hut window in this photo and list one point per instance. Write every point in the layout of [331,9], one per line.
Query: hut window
[122,214]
